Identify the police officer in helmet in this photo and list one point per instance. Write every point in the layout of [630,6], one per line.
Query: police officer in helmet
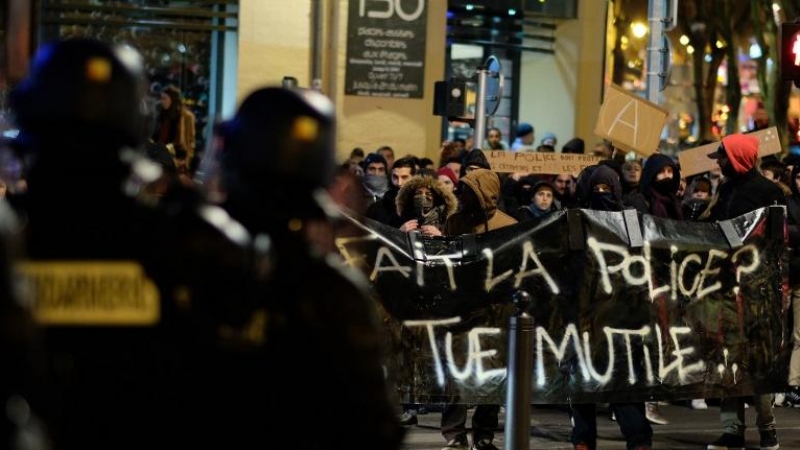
[275,161]
[147,314]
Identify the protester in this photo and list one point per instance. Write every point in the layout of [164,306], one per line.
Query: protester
[479,192]
[793,211]
[494,140]
[575,146]
[744,190]
[549,139]
[524,138]
[696,199]
[601,190]
[541,203]
[659,184]
[448,178]
[424,204]
[375,181]
[564,185]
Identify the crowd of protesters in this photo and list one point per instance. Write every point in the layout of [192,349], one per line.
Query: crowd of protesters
[104,382]
[652,185]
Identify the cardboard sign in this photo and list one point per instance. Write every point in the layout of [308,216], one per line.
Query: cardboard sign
[695,160]
[539,162]
[630,122]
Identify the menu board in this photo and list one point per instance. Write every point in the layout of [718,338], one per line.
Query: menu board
[386,48]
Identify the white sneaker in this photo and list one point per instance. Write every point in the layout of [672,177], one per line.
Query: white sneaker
[699,403]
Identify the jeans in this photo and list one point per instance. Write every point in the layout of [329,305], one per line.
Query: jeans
[484,421]
[731,413]
[630,418]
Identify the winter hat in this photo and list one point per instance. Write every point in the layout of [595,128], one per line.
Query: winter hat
[702,184]
[373,158]
[524,129]
[448,172]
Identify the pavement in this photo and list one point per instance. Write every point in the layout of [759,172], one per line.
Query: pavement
[687,429]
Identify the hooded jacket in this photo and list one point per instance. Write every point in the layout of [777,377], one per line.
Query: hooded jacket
[742,151]
[445,202]
[475,157]
[659,199]
[746,190]
[483,215]
[612,201]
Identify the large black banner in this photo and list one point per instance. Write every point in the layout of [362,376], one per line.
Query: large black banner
[386,48]
[627,307]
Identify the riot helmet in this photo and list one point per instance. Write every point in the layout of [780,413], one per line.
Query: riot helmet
[83,87]
[275,158]
[284,134]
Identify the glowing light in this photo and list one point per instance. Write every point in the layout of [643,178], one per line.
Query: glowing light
[638,29]
[470,7]
[689,49]
[684,40]
[512,12]
[719,43]
[755,51]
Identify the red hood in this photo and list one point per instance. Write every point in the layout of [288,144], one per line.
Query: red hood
[742,151]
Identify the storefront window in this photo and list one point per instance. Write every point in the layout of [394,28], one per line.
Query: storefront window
[182,42]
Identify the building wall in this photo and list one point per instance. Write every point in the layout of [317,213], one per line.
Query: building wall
[560,93]
[406,125]
[274,41]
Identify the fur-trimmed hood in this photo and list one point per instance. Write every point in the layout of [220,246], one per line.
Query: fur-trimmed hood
[405,198]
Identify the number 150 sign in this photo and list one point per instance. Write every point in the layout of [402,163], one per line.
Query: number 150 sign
[385,9]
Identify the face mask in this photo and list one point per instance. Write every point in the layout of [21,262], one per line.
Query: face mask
[423,204]
[604,201]
[376,183]
[663,187]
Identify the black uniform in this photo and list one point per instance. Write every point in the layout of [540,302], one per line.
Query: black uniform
[147,313]
[322,335]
